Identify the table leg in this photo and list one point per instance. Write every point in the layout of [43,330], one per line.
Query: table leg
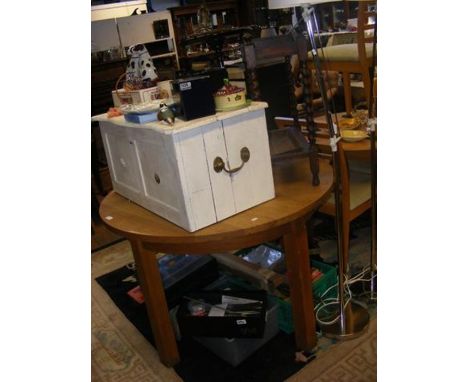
[156,305]
[297,261]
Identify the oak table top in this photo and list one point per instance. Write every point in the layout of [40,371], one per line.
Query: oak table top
[282,217]
[295,197]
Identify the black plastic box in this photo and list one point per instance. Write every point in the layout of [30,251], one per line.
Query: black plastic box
[235,350]
[226,326]
[193,97]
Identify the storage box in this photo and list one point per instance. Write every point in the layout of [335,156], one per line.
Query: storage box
[171,171]
[260,277]
[166,86]
[122,96]
[141,118]
[183,273]
[248,326]
[251,275]
[318,288]
[193,97]
[180,274]
[236,350]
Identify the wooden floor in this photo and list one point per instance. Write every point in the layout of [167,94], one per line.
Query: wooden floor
[101,237]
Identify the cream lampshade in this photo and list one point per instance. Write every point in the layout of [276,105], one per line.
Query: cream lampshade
[275,4]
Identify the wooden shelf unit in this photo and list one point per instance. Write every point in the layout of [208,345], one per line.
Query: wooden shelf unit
[184,18]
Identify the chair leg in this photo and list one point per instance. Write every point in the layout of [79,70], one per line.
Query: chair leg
[314,165]
[347,93]
[367,85]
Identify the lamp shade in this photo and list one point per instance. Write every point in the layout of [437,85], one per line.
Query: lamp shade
[275,4]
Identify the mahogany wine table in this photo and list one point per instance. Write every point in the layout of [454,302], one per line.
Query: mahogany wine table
[282,217]
[349,147]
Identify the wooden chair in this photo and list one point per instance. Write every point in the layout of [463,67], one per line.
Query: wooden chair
[331,82]
[280,49]
[261,52]
[353,58]
[355,182]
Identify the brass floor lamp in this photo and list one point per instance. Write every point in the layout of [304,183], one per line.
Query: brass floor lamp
[371,294]
[351,318]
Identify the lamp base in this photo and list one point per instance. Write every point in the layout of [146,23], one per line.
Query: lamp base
[366,291]
[356,323]
[369,297]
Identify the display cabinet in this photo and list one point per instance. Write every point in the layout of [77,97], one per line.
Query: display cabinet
[214,49]
[156,32]
[110,40]
[224,14]
[335,15]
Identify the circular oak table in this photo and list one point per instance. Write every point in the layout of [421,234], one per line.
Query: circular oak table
[283,217]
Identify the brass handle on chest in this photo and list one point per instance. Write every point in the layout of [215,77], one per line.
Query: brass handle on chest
[219,165]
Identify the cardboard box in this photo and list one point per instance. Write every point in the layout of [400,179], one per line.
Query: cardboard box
[135,97]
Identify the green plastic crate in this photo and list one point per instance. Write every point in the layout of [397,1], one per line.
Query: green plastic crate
[318,287]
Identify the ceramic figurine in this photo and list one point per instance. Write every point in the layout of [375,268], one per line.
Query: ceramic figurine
[141,72]
[165,114]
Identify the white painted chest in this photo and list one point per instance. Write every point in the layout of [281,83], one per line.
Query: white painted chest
[194,173]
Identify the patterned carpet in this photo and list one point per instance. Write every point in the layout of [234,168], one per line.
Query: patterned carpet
[121,354]
[349,361]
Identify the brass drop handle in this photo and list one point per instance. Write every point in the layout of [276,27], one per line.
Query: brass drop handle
[219,165]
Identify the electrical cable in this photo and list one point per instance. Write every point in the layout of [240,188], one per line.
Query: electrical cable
[329,301]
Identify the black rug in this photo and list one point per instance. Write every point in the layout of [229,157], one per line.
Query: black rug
[272,362]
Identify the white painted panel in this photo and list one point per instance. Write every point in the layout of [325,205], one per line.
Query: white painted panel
[162,187]
[190,193]
[138,29]
[193,166]
[223,196]
[118,9]
[122,159]
[253,184]
[104,35]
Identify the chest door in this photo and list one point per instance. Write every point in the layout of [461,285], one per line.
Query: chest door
[122,155]
[248,151]
[161,178]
